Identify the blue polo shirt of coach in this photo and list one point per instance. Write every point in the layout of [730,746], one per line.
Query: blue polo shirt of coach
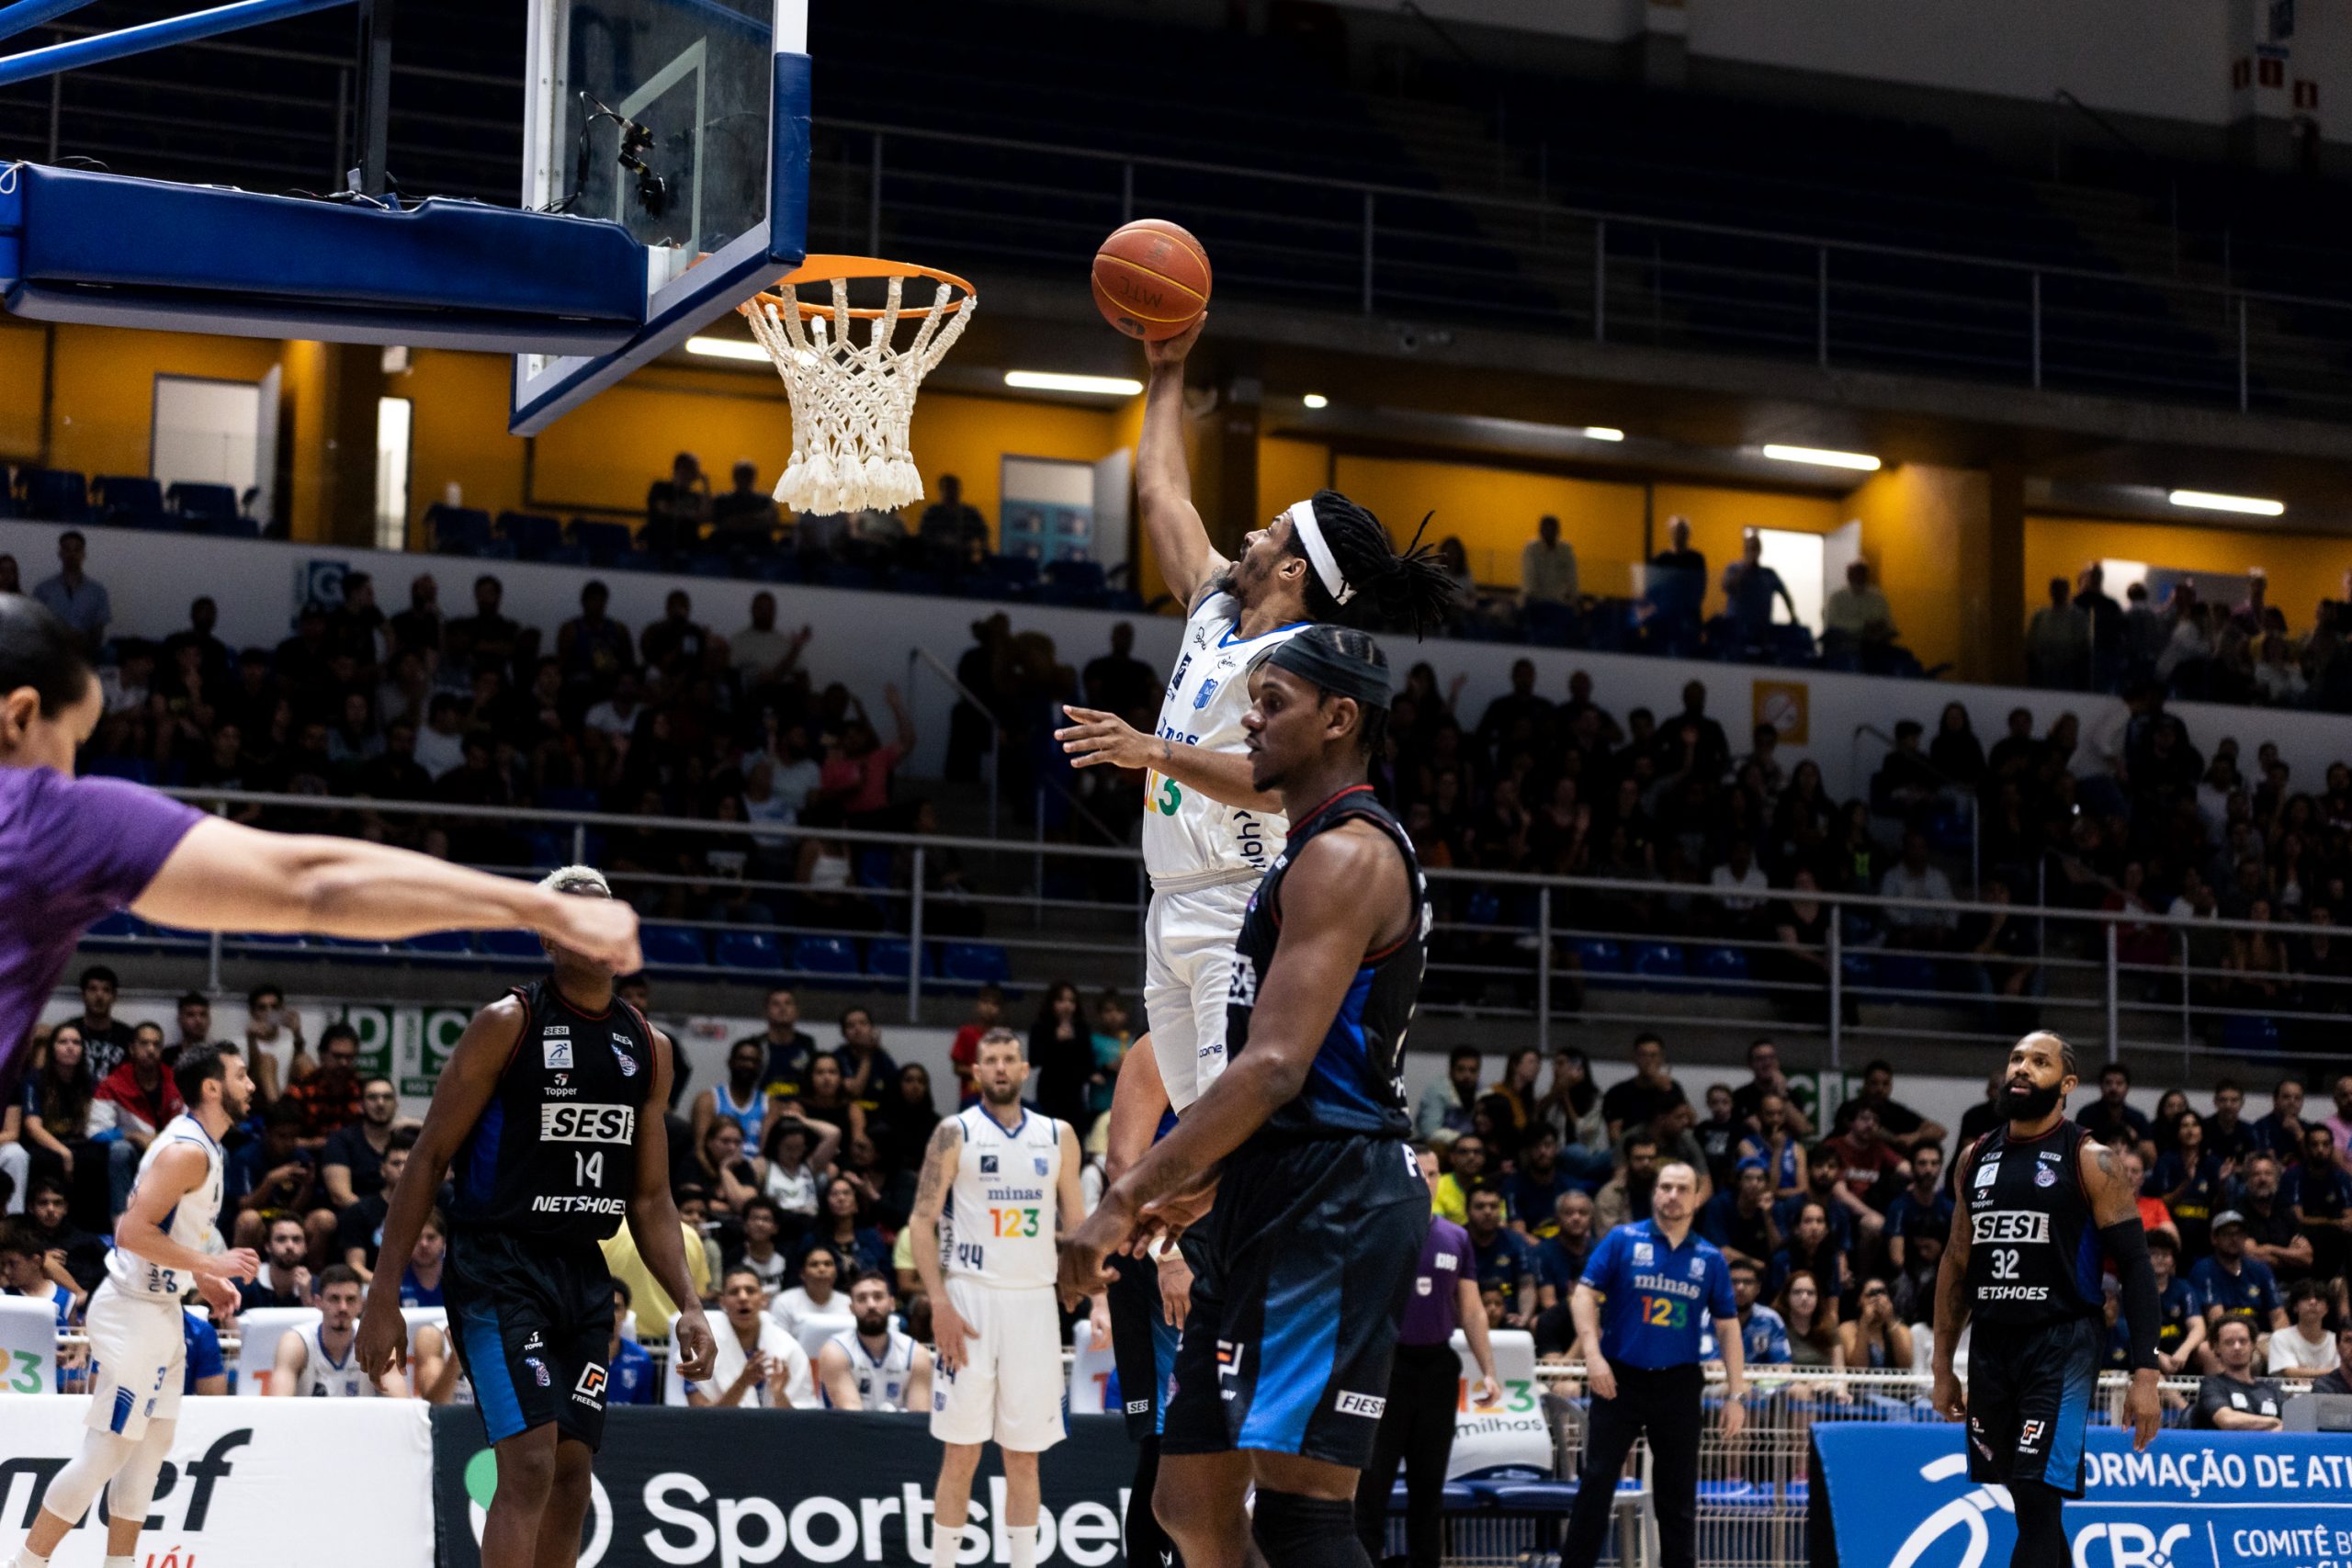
[1655,1299]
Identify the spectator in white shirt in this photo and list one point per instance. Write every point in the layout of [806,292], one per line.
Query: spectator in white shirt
[616,716]
[761,653]
[1744,886]
[1547,567]
[1914,878]
[821,1269]
[441,744]
[2304,1348]
[759,1365]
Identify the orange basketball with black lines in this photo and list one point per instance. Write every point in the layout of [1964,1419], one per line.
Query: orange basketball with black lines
[1151,279]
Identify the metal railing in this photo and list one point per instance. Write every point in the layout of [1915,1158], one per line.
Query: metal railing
[1555,954]
[1422,252]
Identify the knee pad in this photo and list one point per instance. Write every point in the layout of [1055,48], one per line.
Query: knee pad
[76,1487]
[133,1490]
[1297,1531]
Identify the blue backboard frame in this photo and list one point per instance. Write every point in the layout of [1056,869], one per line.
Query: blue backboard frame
[548,385]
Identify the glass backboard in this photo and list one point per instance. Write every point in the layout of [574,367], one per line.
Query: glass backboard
[687,122]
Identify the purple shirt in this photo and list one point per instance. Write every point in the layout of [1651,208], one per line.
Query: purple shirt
[1434,1309]
[72,850]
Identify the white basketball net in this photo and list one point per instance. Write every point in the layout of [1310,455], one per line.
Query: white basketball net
[852,400]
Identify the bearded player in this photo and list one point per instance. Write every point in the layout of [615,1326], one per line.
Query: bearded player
[550,1110]
[2042,1205]
[1208,832]
[167,1243]
[1302,1267]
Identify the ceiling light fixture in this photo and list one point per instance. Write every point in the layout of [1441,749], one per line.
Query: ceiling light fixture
[1316,401]
[1603,432]
[1058,381]
[2207,500]
[1821,457]
[726,348]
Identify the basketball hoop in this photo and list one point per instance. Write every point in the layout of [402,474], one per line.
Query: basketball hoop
[852,400]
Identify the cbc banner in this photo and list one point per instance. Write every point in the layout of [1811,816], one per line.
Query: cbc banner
[247,1480]
[741,1488]
[1900,1498]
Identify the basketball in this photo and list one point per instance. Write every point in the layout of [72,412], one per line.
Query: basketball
[1151,279]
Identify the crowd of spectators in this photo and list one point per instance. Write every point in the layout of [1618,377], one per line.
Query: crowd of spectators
[796,1163]
[1835,1228]
[2190,646]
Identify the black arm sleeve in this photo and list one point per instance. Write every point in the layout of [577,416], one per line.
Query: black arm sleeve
[2126,1244]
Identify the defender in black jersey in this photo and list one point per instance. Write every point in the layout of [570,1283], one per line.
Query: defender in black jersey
[2042,1206]
[1302,1265]
[549,1118]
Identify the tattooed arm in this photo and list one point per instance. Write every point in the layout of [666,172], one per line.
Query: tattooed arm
[1951,1307]
[939,1162]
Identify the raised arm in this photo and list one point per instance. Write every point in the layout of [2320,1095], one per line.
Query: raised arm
[224,876]
[1337,899]
[467,1083]
[1179,540]
[654,1225]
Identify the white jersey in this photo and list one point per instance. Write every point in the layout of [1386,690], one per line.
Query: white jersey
[881,1385]
[1190,841]
[323,1377]
[998,1228]
[194,1222]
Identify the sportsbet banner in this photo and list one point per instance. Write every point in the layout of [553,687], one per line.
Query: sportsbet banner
[736,1488]
[1900,1498]
[248,1480]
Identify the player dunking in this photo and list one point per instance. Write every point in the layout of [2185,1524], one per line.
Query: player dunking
[1208,833]
[1302,1265]
[166,1243]
[72,850]
[1007,1181]
[552,1110]
[2042,1202]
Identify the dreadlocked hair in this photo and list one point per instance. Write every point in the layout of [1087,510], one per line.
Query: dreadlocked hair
[1372,725]
[1395,592]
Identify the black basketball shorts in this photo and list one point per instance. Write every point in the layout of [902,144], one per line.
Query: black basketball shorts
[1300,1276]
[2029,1399]
[531,1319]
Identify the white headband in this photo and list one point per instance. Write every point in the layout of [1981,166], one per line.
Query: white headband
[1318,551]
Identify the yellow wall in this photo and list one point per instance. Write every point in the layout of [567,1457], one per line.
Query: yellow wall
[2303,568]
[103,412]
[21,372]
[457,434]
[1921,526]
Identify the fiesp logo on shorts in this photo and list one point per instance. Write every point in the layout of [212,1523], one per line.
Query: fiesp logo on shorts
[1370,1405]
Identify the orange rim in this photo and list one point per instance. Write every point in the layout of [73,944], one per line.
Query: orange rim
[821,270]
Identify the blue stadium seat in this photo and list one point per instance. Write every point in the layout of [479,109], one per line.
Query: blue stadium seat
[1483,908]
[748,950]
[1658,961]
[1020,571]
[887,958]
[121,925]
[1550,625]
[1861,972]
[975,964]
[1722,963]
[128,500]
[457,530]
[55,495]
[229,527]
[1902,972]
[673,947]
[1599,955]
[1458,1497]
[1737,1497]
[444,945]
[534,536]
[287,941]
[203,503]
[603,542]
[511,944]
[831,955]
[2245,1035]
[1080,576]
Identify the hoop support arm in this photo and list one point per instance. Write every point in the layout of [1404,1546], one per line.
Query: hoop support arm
[29,13]
[38,63]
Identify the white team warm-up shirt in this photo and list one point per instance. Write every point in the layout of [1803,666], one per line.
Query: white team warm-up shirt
[194,1224]
[881,1385]
[998,1228]
[323,1377]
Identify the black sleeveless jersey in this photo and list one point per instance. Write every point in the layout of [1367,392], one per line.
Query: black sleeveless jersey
[1355,1087]
[554,1154]
[2033,1248]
